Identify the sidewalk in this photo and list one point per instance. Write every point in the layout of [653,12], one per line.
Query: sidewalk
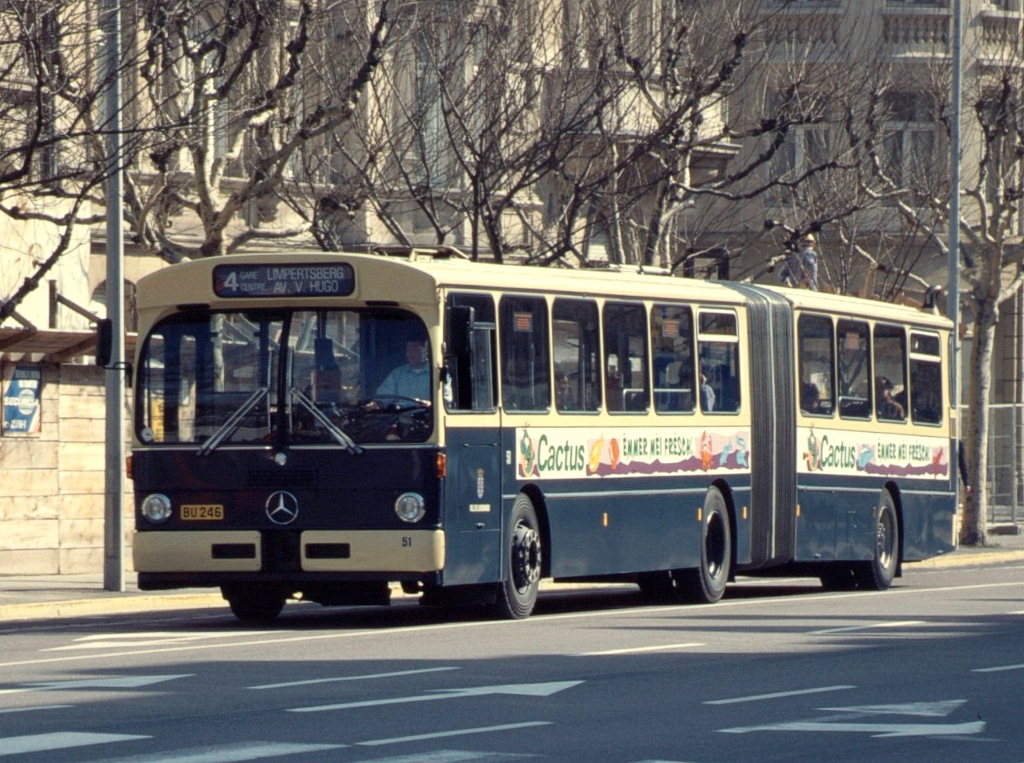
[45,597]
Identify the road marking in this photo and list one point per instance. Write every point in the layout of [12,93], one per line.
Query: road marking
[639,649]
[59,740]
[228,753]
[921,709]
[143,639]
[351,678]
[454,756]
[527,690]
[379,633]
[779,695]
[454,733]
[999,668]
[34,707]
[875,729]
[851,628]
[122,682]
[916,709]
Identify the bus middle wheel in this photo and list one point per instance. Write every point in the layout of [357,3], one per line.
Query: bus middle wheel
[706,583]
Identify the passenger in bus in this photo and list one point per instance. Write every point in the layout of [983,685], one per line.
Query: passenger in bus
[565,396]
[888,406]
[707,394]
[810,398]
[412,379]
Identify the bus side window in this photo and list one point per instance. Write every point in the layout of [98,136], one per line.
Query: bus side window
[576,355]
[718,352]
[854,355]
[525,369]
[470,382]
[625,357]
[925,379]
[890,347]
[672,341]
[816,354]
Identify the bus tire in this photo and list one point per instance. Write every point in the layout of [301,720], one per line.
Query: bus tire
[252,605]
[706,583]
[517,593]
[878,574]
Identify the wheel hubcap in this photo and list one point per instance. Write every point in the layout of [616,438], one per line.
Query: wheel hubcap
[525,556]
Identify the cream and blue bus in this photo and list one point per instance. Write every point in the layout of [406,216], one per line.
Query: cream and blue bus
[338,427]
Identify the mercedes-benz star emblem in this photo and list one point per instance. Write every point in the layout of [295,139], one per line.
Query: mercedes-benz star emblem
[282,507]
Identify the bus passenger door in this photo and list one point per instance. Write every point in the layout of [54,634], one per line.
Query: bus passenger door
[473,439]
[473,518]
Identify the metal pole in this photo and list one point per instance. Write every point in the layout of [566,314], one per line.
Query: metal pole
[953,301]
[113,541]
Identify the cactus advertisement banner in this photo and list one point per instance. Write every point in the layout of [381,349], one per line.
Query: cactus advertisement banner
[556,453]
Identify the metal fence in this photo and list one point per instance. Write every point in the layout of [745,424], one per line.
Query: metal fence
[1005,479]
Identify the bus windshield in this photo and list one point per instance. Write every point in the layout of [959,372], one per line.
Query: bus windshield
[320,377]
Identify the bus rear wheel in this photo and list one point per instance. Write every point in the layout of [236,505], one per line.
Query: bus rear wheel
[517,593]
[254,605]
[706,583]
[878,574]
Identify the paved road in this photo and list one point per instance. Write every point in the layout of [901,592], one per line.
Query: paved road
[929,671]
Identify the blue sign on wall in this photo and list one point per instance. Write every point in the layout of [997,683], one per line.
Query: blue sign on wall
[22,388]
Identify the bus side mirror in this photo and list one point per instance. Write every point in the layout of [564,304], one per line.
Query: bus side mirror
[105,350]
[104,341]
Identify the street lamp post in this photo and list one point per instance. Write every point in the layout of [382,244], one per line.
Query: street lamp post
[113,540]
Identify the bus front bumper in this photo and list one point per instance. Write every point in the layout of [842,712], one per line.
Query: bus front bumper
[212,551]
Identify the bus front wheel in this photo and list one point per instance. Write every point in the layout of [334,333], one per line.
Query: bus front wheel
[878,574]
[253,605]
[517,593]
[706,583]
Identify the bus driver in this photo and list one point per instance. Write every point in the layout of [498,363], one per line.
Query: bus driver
[411,379]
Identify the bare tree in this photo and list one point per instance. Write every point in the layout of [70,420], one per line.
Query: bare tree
[48,94]
[224,107]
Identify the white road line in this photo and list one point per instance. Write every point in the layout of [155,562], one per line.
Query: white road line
[851,628]
[454,756]
[779,695]
[453,733]
[351,678]
[640,649]
[534,622]
[35,707]
[999,668]
[59,740]
[228,753]
[142,640]
[874,729]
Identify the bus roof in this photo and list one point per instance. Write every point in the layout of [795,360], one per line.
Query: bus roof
[416,277]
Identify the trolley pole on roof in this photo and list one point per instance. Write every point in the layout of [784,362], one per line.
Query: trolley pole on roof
[113,534]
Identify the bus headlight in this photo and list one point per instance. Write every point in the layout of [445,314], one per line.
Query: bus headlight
[410,507]
[156,508]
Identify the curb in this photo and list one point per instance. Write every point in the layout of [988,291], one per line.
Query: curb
[108,605]
[115,604]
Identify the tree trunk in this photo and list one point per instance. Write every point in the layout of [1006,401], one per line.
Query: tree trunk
[972,529]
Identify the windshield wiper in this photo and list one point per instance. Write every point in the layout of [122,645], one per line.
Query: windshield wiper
[323,420]
[229,426]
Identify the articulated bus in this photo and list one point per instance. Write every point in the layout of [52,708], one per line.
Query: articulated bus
[331,427]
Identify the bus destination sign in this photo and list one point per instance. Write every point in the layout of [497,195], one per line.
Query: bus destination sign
[284,280]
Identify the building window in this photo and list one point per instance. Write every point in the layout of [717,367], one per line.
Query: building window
[909,138]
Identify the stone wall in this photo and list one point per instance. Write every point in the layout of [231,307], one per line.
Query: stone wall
[52,484]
